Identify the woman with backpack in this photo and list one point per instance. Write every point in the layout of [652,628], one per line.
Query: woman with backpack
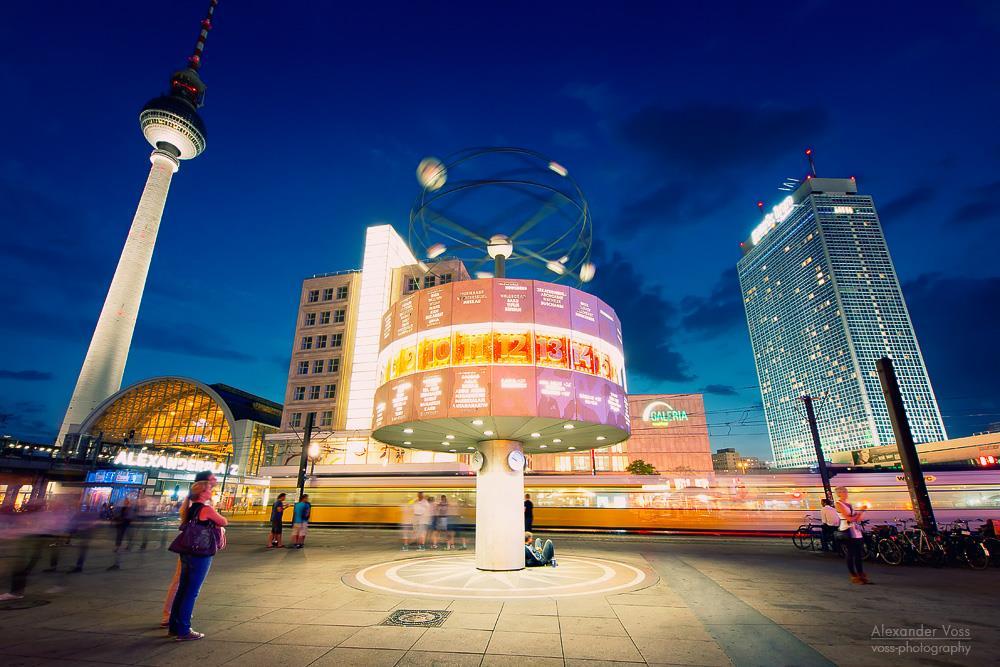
[201,537]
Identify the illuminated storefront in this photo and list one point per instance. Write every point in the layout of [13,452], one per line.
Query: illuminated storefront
[166,429]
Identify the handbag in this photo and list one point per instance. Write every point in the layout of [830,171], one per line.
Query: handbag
[197,538]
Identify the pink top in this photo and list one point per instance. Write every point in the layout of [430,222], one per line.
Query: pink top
[846,510]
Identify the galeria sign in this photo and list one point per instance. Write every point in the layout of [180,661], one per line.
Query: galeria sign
[171,462]
[661,413]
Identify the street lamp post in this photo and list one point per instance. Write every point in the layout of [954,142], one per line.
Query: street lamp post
[499,248]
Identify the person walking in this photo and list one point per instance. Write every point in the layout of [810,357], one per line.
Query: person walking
[123,523]
[277,510]
[194,569]
[831,521]
[300,521]
[850,533]
[441,530]
[529,513]
[422,516]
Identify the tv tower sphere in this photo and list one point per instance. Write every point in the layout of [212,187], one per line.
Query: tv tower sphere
[170,122]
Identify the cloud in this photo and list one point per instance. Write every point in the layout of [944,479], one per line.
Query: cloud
[647,318]
[981,204]
[24,419]
[720,389]
[956,329]
[185,340]
[706,138]
[26,376]
[896,209]
[717,313]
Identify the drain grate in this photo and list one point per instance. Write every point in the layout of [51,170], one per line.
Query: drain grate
[416,618]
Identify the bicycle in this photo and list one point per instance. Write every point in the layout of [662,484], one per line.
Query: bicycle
[912,543]
[806,535]
[870,537]
[967,545]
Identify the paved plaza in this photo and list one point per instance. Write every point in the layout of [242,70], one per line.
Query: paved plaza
[699,601]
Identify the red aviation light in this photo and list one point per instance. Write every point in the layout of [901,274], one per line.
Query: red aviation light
[809,151]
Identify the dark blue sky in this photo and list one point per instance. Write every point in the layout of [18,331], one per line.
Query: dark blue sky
[674,119]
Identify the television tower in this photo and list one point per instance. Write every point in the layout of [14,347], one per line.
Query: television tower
[171,124]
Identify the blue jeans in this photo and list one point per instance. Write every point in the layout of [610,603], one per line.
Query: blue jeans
[194,569]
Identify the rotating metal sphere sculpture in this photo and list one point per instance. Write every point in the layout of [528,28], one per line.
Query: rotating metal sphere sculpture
[481,202]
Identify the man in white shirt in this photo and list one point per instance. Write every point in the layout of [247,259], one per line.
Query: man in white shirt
[831,520]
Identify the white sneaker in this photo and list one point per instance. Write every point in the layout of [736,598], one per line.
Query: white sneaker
[6,597]
[190,637]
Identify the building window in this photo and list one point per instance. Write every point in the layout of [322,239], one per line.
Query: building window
[328,294]
[444,279]
[339,316]
[330,391]
[336,340]
[318,366]
[324,317]
[334,365]
[320,342]
[342,292]
[307,343]
[314,392]
[430,281]
[296,420]
[326,418]
[303,368]
[299,394]
[313,296]
[310,319]
[412,284]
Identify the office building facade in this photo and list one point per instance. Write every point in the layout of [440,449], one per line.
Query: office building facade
[823,303]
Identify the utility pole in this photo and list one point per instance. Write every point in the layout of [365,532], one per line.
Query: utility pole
[820,459]
[306,435]
[912,473]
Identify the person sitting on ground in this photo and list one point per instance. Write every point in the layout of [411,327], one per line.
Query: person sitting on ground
[537,553]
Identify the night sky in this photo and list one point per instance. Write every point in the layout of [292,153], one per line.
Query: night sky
[674,120]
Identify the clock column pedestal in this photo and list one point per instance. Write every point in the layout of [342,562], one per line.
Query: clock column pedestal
[500,506]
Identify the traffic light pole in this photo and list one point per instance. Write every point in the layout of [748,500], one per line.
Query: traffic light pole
[912,473]
[306,436]
[824,473]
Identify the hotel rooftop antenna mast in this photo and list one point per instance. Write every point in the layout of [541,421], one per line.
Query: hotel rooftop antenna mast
[171,125]
[812,165]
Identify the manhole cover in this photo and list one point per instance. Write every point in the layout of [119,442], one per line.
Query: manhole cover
[12,605]
[417,618]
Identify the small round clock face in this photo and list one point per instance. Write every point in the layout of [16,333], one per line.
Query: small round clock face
[478,460]
[515,460]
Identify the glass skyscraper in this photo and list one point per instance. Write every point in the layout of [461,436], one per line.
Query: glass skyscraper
[823,303]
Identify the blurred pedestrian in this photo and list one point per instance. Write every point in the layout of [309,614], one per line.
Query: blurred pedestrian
[850,534]
[194,567]
[123,523]
[35,532]
[407,524]
[459,522]
[422,517]
[277,510]
[300,521]
[831,521]
[81,532]
[442,530]
[529,513]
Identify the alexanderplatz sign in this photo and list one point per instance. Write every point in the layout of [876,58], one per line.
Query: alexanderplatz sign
[498,368]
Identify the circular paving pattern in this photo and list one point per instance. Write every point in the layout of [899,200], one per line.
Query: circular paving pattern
[456,577]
